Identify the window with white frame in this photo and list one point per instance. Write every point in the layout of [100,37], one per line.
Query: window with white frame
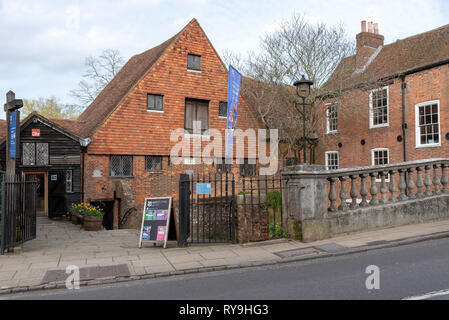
[427,122]
[332,160]
[69,181]
[379,108]
[332,118]
[380,156]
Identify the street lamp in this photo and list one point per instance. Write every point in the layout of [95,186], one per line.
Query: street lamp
[303,91]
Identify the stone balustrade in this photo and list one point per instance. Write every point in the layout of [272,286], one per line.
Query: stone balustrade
[378,185]
[324,203]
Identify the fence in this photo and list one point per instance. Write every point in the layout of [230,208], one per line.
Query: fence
[18,214]
[230,210]
[260,208]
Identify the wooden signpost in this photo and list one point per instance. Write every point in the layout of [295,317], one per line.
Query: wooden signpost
[155,221]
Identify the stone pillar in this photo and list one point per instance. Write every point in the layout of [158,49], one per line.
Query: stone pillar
[307,211]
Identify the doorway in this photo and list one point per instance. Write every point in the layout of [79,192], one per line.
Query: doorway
[41,192]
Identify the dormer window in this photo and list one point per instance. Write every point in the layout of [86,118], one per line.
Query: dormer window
[193,62]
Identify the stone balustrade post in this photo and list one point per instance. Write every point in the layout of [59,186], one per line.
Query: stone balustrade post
[307,202]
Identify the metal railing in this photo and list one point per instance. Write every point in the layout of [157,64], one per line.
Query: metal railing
[18,212]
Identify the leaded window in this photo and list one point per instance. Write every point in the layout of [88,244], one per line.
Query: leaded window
[153,163]
[69,181]
[35,154]
[248,168]
[121,166]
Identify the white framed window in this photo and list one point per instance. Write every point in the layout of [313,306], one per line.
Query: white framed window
[69,181]
[379,157]
[332,160]
[379,107]
[331,118]
[427,124]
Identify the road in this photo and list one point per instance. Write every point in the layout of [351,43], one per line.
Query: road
[405,271]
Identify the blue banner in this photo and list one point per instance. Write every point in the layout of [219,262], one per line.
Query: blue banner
[12,134]
[234,81]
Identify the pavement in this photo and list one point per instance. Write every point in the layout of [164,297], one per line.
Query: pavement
[113,256]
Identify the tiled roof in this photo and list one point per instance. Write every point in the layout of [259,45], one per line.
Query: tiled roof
[120,85]
[394,59]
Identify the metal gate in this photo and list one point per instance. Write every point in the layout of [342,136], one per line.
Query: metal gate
[207,209]
[18,214]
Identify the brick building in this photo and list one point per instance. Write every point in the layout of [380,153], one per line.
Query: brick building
[130,122]
[388,103]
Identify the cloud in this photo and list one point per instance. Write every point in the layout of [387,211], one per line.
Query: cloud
[45,42]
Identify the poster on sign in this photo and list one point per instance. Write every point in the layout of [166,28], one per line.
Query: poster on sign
[155,221]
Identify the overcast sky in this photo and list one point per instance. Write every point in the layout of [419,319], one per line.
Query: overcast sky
[43,43]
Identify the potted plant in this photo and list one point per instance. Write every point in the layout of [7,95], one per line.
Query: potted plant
[93,218]
[75,211]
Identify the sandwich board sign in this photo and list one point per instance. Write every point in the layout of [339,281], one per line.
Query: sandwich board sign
[155,221]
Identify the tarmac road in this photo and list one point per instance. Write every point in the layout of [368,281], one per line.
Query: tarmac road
[419,270]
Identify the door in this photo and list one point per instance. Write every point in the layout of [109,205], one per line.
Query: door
[57,206]
[41,191]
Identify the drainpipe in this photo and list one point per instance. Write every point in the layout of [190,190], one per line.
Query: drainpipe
[404,124]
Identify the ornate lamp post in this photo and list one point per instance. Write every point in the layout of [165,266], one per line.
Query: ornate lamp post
[303,91]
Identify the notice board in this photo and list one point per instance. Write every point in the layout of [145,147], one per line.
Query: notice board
[155,221]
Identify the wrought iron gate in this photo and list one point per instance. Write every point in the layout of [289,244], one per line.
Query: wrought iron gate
[207,209]
[18,214]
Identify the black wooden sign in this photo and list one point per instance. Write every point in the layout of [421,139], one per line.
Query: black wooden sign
[155,221]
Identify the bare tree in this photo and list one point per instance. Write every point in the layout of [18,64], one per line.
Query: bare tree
[295,48]
[99,72]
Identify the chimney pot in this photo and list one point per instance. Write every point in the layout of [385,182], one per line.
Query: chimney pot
[370,27]
[363,26]
[376,28]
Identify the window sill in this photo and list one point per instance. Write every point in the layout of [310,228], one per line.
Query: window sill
[222,118]
[332,132]
[155,171]
[435,145]
[196,136]
[155,111]
[380,126]
[116,177]
[194,71]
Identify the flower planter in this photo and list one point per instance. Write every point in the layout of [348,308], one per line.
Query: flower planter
[94,223]
[74,217]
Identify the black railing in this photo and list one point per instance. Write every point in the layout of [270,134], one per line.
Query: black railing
[18,214]
[262,207]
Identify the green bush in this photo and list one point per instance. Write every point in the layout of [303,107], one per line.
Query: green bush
[276,231]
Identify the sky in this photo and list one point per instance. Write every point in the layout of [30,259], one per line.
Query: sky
[44,43]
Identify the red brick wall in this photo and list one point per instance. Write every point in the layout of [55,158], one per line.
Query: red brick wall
[353,121]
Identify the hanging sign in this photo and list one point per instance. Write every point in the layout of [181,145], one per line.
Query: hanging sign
[12,134]
[155,221]
[234,81]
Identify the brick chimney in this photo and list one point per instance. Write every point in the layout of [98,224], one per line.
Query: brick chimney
[368,40]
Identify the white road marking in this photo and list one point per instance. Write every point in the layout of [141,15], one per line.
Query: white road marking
[429,295]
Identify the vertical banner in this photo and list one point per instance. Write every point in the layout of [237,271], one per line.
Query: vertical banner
[12,134]
[234,81]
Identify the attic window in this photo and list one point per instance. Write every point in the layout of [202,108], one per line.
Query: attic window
[223,109]
[193,62]
[155,102]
